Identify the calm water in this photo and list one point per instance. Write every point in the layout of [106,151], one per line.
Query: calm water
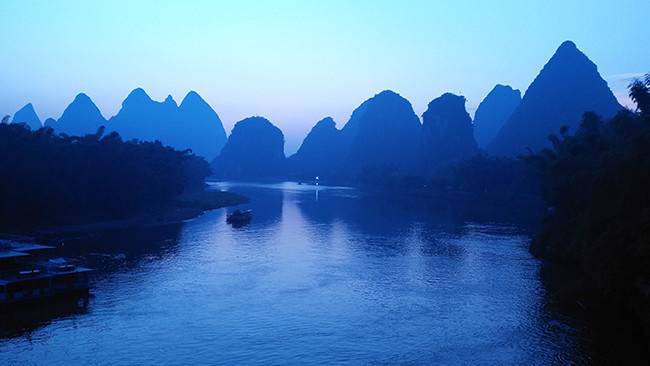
[320,276]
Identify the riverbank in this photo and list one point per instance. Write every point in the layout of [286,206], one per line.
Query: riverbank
[517,207]
[184,207]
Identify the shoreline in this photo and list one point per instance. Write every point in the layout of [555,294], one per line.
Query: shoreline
[183,208]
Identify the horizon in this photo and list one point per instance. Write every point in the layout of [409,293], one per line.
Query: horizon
[274,59]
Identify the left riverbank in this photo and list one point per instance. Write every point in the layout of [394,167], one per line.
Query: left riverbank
[186,206]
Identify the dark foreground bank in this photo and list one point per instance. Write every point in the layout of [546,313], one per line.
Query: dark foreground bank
[59,182]
[595,184]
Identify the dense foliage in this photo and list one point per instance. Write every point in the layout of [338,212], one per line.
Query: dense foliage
[50,179]
[596,186]
[478,174]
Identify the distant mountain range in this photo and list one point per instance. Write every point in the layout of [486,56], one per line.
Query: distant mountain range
[383,131]
[192,125]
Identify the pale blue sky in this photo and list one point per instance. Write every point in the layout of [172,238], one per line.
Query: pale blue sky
[296,62]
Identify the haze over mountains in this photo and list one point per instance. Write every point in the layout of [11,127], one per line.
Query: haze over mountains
[384,130]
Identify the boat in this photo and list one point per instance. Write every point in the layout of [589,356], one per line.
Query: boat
[27,272]
[239,217]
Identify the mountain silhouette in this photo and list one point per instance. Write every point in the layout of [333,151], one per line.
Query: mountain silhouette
[493,112]
[254,150]
[28,116]
[447,132]
[142,118]
[50,122]
[80,118]
[202,127]
[382,130]
[194,125]
[320,153]
[568,85]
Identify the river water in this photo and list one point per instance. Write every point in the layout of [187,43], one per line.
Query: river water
[321,275]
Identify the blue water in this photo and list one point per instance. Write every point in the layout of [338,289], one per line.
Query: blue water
[321,275]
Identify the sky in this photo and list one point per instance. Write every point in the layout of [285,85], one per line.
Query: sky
[296,62]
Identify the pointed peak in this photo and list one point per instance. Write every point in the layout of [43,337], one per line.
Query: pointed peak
[558,96]
[387,94]
[193,95]
[138,94]
[28,115]
[170,100]
[27,107]
[568,52]
[386,97]
[193,98]
[82,97]
[325,123]
[84,100]
[567,46]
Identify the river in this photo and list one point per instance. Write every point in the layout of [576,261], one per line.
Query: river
[321,275]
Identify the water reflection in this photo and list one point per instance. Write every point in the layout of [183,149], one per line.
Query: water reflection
[265,203]
[108,252]
[321,275]
[122,249]
[23,319]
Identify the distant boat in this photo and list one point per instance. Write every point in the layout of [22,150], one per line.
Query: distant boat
[239,217]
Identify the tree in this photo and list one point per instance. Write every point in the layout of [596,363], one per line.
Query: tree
[640,94]
[51,179]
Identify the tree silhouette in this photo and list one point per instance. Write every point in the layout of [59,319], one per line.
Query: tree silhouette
[640,94]
[51,179]
[596,183]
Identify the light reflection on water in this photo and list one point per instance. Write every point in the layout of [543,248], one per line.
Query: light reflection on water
[321,275]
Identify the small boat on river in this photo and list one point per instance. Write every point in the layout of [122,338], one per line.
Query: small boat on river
[239,217]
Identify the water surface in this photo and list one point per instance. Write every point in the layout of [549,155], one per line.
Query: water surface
[321,275]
